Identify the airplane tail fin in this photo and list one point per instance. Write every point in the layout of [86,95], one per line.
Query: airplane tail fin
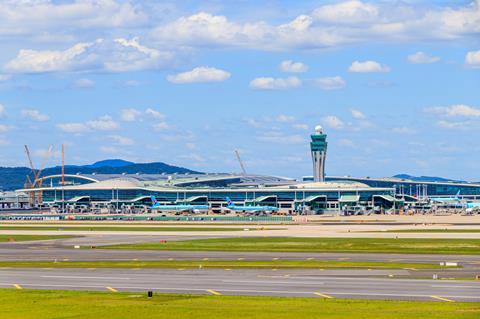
[458,194]
[229,202]
[154,200]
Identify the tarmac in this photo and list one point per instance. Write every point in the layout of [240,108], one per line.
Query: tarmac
[251,282]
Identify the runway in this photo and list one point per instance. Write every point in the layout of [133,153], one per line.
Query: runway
[252,282]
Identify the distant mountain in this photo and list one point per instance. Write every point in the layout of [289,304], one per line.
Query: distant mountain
[12,178]
[112,163]
[425,178]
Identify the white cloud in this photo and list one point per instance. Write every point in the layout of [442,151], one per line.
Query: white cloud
[269,83]
[281,138]
[330,83]
[333,122]
[199,75]
[130,115]
[328,25]
[84,83]
[367,67]
[35,115]
[75,128]
[282,118]
[103,123]
[348,12]
[5,77]
[4,128]
[422,58]
[459,110]
[155,114]
[473,58]
[301,126]
[109,149]
[356,114]
[403,130]
[43,17]
[3,113]
[119,55]
[122,140]
[462,125]
[160,126]
[293,67]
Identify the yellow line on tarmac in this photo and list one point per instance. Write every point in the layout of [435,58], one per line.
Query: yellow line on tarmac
[213,292]
[442,299]
[17,286]
[181,269]
[112,289]
[323,295]
[227,269]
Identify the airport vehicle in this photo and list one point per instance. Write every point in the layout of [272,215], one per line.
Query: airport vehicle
[249,209]
[180,208]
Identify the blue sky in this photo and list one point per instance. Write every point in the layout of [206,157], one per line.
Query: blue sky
[395,84]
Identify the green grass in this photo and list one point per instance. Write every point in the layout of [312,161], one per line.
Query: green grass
[35,304]
[435,231]
[8,238]
[291,244]
[114,228]
[280,264]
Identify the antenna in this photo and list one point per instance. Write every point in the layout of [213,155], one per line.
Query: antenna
[244,172]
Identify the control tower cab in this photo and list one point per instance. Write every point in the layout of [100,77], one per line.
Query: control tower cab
[318,147]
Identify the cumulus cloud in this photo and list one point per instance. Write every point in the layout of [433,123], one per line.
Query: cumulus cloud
[422,58]
[301,126]
[330,83]
[199,75]
[16,18]
[282,118]
[473,59]
[5,77]
[103,123]
[281,138]
[75,128]
[332,122]
[367,67]
[269,83]
[130,115]
[119,55]
[84,83]
[35,115]
[160,126]
[293,67]
[133,115]
[356,114]
[3,113]
[121,140]
[326,26]
[459,110]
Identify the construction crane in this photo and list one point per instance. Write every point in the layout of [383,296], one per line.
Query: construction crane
[36,182]
[244,172]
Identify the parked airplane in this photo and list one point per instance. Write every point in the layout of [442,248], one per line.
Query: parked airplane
[177,208]
[251,209]
[455,198]
[472,206]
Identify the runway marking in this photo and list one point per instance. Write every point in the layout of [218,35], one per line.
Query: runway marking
[274,269]
[276,258]
[213,292]
[310,258]
[181,269]
[205,259]
[86,277]
[323,295]
[17,286]
[170,259]
[66,259]
[442,299]
[47,268]
[135,259]
[413,269]
[112,289]
[227,269]
[240,258]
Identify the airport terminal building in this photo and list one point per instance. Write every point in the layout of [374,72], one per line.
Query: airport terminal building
[316,195]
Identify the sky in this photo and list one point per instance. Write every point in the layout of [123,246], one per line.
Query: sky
[394,84]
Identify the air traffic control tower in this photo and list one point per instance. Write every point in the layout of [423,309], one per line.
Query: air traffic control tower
[318,147]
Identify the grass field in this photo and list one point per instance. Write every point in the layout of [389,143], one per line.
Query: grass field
[435,231]
[6,238]
[291,244]
[119,228]
[280,264]
[36,304]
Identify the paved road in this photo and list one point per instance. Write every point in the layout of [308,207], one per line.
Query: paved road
[297,283]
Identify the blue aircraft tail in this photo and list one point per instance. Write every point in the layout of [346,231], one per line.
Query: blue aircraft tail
[229,202]
[154,200]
